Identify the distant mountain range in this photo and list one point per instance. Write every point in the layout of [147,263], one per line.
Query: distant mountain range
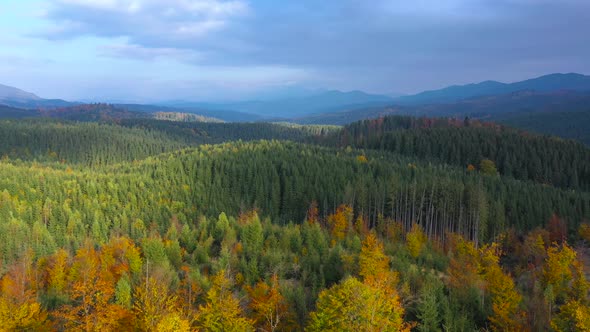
[14,97]
[494,107]
[552,82]
[489,100]
[284,108]
[272,109]
[11,93]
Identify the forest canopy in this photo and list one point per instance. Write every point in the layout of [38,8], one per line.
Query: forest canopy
[158,225]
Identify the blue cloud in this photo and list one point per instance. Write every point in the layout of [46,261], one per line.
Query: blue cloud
[378,45]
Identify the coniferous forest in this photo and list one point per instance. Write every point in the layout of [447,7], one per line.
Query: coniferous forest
[394,224]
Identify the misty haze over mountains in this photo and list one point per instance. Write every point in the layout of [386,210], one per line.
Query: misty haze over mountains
[485,99]
[556,104]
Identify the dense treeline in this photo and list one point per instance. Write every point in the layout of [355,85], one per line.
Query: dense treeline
[207,132]
[96,144]
[97,112]
[7,112]
[573,125]
[57,207]
[183,117]
[543,159]
[88,143]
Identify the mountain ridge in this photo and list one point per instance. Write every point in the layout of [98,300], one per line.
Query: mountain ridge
[327,101]
[549,82]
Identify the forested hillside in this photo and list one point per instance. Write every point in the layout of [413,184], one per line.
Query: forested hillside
[98,144]
[561,113]
[543,159]
[204,132]
[572,125]
[152,225]
[283,180]
[183,117]
[7,112]
[87,143]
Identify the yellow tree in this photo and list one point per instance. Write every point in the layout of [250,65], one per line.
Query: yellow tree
[557,272]
[415,240]
[92,293]
[339,221]
[564,278]
[19,309]
[488,167]
[57,272]
[173,322]
[355,306]
[222,311]
[154,307]
[464,264]
[584,231]
[25,316]
[573,316]
[270,309]
[373,262]
[506,300]
[120,255]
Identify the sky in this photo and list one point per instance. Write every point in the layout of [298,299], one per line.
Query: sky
[155,50]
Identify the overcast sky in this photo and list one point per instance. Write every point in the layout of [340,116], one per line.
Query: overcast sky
[147,50]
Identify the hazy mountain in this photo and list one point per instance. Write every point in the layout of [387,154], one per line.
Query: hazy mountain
[286,92]
[312,106]
[14,97]
[11,93]
[328,101]
[571,81]
[493,107]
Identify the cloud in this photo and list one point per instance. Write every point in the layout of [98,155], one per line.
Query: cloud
[134,51]
[148,23]
[378,45]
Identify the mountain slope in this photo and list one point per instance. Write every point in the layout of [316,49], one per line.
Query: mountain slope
[12,93]
[551,82]
[91,144]
[572,125]
[561,113]
[525,156]
[14,97]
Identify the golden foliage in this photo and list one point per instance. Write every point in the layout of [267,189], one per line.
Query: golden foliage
[340,221]
[153,304]
[415,240]
[557,271]
[355,306]
[26,316]
[222,310]
[92,292]
[506,300]
[373,262]
[270,309]
[573,316]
